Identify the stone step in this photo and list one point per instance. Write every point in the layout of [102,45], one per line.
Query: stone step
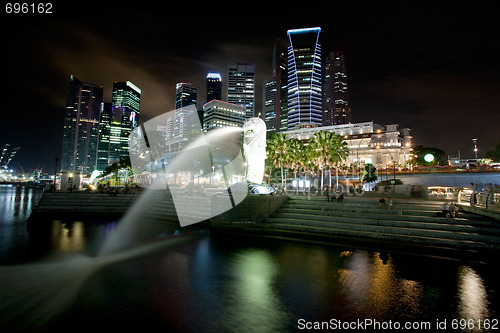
[356,228]
[455,225]
[357,234]
[385,215]
[363,204]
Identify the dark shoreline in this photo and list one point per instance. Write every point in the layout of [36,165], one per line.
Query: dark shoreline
[252,218]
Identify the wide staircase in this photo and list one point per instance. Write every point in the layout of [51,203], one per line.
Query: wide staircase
[82,206]
[408,221]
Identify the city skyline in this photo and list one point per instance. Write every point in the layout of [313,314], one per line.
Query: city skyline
[434,71]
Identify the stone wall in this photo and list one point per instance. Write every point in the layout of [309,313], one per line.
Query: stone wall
[253,208]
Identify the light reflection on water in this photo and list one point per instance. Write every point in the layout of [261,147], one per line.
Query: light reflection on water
[236,283]
[264,285]
[472,295]
[16,203]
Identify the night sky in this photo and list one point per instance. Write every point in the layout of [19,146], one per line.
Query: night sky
[435,70]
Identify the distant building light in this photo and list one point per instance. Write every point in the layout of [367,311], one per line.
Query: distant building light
[215,76]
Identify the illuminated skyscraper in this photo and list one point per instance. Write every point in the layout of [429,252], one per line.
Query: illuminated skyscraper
[222,114]
[274,105]
[335,93]
[241,86]
[81,126]
[304,78]
[214,86]
[117,121]
[269,103]
[127,96]
[185,94]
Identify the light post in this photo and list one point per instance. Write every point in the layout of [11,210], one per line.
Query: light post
[429,158]
[55,173]
[475,149]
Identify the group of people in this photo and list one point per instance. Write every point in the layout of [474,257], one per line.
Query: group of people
[114,191]
[382,203]
[490,188]
[330,195]
[449,210]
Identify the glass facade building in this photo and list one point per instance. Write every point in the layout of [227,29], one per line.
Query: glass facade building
[241,86]
[117,121]
[185,95]
[81,126]
[222,114]
[269,103]
[214,86]
[336,104]
[304,78]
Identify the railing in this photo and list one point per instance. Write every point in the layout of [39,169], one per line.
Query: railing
[479,199]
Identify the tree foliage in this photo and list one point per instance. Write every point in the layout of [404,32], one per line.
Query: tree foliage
[419,152]
[369,173]
[494,154]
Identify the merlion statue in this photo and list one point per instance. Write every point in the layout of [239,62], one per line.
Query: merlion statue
[254,148]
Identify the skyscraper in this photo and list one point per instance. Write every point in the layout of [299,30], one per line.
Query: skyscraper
[274,104]
[304,78]
[185,94]
[241,86]
[335,93]
[214,86]
[127,96]
[81,126]
[269,103]
[222,114]
[280,73]
[117,121]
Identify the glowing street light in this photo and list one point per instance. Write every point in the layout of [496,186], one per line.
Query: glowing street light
[475,148]
[428,158]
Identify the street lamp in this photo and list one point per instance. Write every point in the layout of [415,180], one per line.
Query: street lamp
[475,148]
[429,158]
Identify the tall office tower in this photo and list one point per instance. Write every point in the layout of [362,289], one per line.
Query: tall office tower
[117,120]
[103,150]
[185,94]
[304,78]
[269,103]
[241,86]
[127,96]
[280,76]
[81,126]
[214,86]
[335,93]
[222,114]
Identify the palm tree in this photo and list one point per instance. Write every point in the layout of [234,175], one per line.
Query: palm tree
[278,152]
[304,158]
[297,155]
[320,146]
[328,150]
[340,152]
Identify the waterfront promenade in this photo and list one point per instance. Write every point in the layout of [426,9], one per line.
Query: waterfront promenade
[408,224]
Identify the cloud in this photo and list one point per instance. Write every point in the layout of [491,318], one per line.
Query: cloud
[101,61]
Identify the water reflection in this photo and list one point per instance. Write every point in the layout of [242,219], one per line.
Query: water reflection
[472,295]
[68,237]
[237,283]
[16,203]
[252,297]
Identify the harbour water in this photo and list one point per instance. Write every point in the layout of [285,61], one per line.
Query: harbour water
[228,283]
